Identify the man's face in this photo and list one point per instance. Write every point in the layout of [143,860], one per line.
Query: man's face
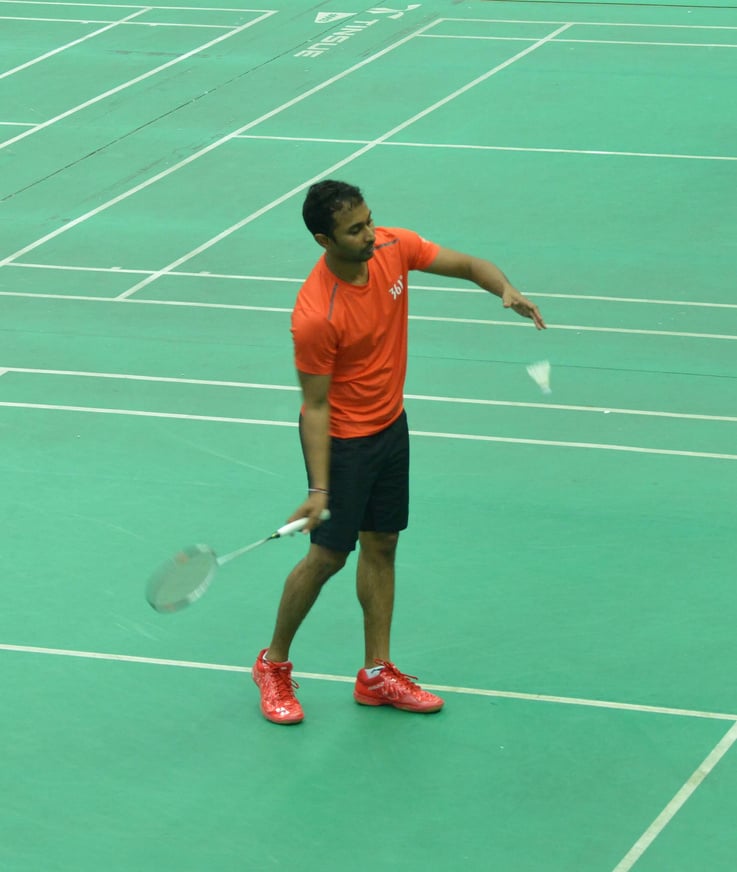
[353,235]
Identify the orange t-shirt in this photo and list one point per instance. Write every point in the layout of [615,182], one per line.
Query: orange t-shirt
[358,333]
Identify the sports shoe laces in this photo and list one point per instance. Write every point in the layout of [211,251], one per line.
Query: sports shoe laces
[398,682]
[281,685]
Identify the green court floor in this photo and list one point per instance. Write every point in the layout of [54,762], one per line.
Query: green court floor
[567,580]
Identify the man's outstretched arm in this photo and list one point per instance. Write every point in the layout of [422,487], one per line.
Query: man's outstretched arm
[486,275]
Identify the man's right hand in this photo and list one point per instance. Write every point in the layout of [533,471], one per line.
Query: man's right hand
[312,508]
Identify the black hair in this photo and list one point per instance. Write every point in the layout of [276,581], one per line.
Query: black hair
[323,200]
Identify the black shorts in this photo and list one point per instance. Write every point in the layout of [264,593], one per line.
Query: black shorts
[369,487]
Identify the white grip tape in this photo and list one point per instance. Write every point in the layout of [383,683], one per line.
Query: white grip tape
[295,526]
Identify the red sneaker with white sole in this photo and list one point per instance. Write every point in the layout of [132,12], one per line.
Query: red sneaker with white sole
[392,687]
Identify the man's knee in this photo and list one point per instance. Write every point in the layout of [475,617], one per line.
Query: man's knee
[378,546]
[324,562]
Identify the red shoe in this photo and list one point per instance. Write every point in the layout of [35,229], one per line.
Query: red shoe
[392,687]
[278,702]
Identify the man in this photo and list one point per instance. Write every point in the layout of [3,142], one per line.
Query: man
[349,327]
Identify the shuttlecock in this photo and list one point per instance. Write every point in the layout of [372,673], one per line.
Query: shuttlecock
[540,374]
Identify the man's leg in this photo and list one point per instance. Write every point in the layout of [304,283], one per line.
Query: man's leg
[301,589]
[272,670]
[380,682]
[375,589]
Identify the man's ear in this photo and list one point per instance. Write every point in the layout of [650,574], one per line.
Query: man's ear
[322,239]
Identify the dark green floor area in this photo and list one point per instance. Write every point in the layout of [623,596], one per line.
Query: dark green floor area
[212,786]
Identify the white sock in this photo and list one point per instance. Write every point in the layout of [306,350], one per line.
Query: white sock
[374,671]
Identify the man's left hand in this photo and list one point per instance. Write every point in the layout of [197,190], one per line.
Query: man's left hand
[512,299]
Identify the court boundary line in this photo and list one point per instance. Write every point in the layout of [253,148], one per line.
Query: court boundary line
[466,437]
[55,51]
[513,148]
[129,6]
[529,39]
[80,107]
[228,231]
[586,41]
[472,20]
[637,5]
[678,801]
[681,334]
[594,23]
[75,222]
[471,401]
[122,23]
[283,310]
[288,279]
[317,676]
[91,213]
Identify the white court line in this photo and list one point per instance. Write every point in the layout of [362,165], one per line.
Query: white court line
[686,416]
[638,300]
[183,304]
[284,310]
[564,444]
[68,45]
[588,151]
[116,90]
[17,124]
[103,21]
[643,42]
[152,378]
[491,38]
[587,41]
[462,20]
[594,23]
[204,151]
[470,401]
[674,806]
[290,279]
[336,166]
[578,327]
[132,6]
[467,437]
[455,145]
[349,679]
[553,295]
[139,413]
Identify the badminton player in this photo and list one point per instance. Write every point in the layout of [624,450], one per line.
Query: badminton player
[349,328]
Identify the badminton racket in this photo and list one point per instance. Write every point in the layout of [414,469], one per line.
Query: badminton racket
[186,576]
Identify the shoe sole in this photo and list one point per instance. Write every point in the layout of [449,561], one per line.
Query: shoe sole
[286,721]
[371,700]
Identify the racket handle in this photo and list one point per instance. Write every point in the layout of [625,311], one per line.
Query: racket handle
[295,526]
